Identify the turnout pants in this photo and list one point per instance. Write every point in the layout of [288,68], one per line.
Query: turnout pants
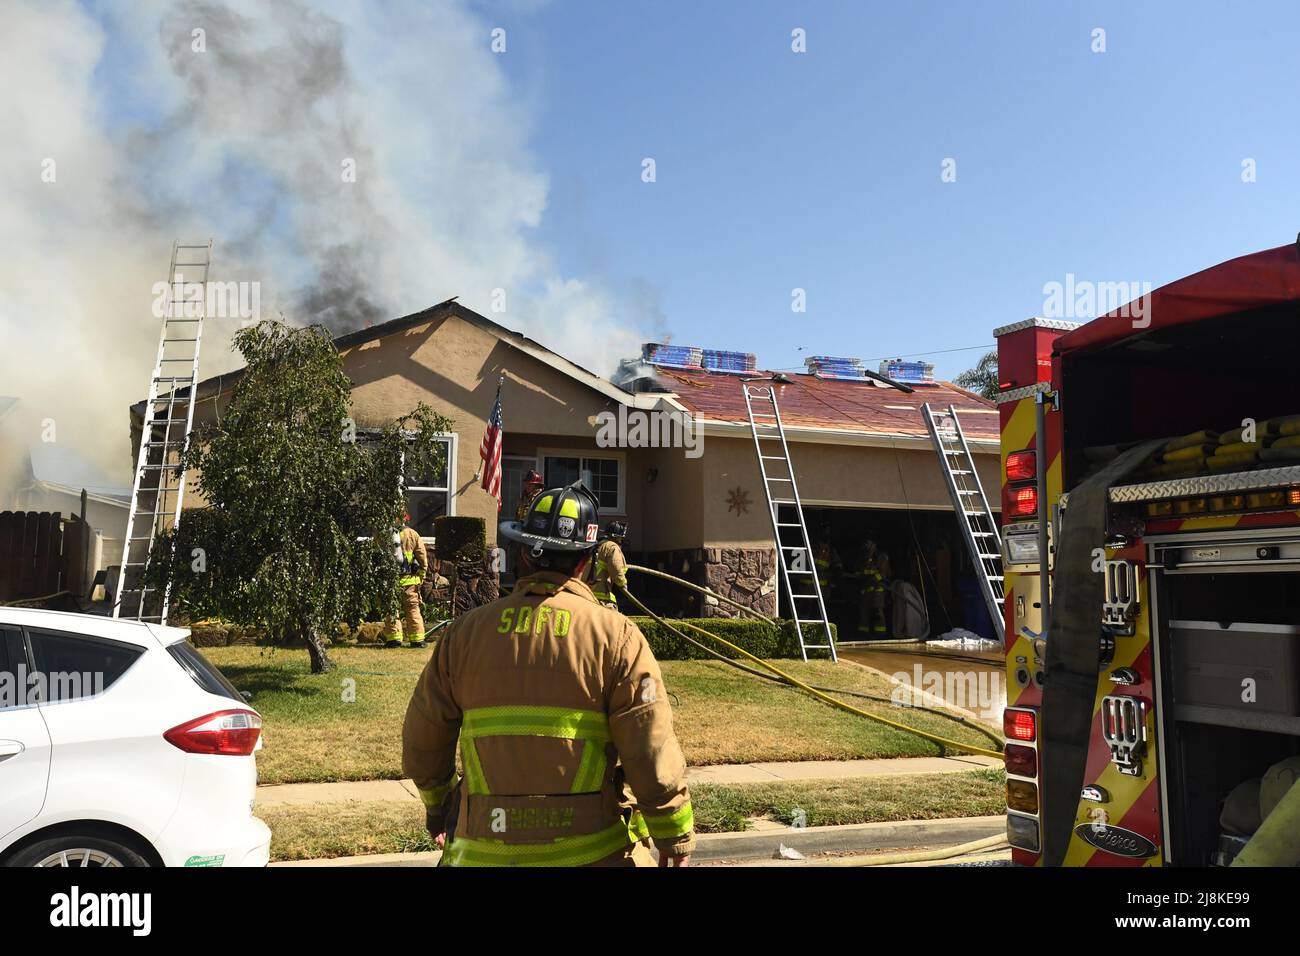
[411,626]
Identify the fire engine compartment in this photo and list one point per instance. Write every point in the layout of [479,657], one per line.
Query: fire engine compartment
[1227,646]
[1224,612]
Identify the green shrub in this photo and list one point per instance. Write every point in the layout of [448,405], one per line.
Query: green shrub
[758,637]
[460,538]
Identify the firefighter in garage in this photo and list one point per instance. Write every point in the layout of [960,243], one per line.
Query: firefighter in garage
[413,560]
[610,568]
[557,702]
[875,573]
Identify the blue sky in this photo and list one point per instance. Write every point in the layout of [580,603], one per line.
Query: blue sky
[821,170]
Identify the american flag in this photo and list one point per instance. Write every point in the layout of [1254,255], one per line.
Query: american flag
[490,452]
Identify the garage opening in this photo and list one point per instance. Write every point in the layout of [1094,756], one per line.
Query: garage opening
[920,559]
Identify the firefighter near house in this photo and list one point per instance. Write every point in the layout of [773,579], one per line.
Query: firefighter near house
[1151,475]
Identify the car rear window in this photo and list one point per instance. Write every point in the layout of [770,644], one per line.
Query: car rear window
[203,673]
[73,666]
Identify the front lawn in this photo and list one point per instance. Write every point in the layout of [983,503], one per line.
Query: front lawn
[347,724]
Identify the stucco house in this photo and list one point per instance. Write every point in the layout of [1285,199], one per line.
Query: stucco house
[861,452]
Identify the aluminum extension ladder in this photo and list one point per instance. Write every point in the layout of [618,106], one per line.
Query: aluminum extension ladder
[784,508]
[158,488]
[979,527]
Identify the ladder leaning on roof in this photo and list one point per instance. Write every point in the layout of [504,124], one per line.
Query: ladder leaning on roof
[158,488]
[794,559]
[974,517]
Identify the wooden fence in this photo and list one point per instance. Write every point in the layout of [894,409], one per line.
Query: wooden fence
[42,553]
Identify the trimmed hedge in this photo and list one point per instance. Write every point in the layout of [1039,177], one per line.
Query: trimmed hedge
[758,637]
[460,538]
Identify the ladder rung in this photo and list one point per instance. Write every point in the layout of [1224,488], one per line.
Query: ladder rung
[774,457]
[780,479]
[805,597]
[787,524]
[798,572]
[994,577]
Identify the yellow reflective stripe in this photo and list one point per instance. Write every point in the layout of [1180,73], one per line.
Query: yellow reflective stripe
[408,581]
[544,505]
[434,796]
[636,826]
[475,782]
[569,508]
[678,823]
[526,721]
[591,768]
[565,851]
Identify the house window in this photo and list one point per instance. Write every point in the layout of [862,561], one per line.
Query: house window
[428,496]
[604,476]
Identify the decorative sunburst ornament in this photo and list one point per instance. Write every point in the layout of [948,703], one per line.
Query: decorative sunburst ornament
[738,500]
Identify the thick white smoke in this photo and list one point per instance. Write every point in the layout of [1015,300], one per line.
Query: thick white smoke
[145,122]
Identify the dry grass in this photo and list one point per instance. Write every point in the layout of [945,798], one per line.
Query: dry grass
[722,716]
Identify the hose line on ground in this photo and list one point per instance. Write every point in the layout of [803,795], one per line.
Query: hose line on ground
[899,857]
[704,648]
[782,675]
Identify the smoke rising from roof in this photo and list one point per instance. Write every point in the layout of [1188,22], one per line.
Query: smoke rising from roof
[356,165]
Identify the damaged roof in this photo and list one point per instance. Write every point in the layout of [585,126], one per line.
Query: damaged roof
[807,401]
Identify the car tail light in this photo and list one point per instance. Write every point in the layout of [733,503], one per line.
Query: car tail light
[1022,795]
[228,732]
[1020,725]
[1021,761]
[1022,465]
[1022,502]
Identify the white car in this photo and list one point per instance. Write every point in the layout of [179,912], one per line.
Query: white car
[121,746]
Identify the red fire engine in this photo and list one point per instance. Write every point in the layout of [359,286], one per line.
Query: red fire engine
[1151,471]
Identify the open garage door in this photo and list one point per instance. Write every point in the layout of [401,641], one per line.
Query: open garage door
[920,550]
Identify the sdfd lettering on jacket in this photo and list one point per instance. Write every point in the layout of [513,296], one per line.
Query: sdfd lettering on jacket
[535,621]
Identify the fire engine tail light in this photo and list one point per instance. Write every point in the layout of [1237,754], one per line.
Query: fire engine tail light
[1021,761]
[1022,795]
[1020,725]
[1022,502]
[1022,832]
[1022,465]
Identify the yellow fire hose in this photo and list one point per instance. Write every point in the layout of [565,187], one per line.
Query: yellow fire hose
[1277,841]
[893,859]
[787,678]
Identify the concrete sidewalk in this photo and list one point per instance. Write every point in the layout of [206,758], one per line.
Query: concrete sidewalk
[752,846]
[395,791]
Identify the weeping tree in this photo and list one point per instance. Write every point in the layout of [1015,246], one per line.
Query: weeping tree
[983,378]
[295,537]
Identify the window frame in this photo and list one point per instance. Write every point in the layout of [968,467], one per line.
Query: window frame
[452,439]
[581,454]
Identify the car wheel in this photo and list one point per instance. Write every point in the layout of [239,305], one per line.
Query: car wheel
[75,850]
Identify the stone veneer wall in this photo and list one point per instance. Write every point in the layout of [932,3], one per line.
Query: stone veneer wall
[745,575]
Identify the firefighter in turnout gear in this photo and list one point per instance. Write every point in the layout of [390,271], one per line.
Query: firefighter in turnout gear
[413,560]
[532,485]
[876,572]
[556,702]
[610,569]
